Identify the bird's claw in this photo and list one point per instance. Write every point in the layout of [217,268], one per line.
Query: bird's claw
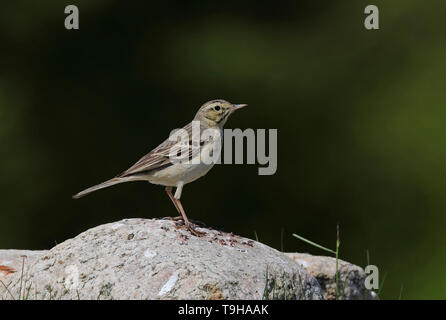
[189,228]
[195,232]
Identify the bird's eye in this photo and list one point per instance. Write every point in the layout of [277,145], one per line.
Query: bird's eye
[217,108]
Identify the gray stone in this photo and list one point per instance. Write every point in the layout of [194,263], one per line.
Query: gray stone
[12,261]
[155,259]
[13,265]
[324,270]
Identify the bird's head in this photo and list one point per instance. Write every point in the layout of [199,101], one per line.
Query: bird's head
[216,112]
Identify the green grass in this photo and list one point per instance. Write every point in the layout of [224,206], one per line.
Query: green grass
[335,252]
[266,290]
[401,292]
[255,235]
[381,284]
[281,239]
[313,243]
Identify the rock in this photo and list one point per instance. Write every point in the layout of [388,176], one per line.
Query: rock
[11,261]
[324,270]
[12,266]
[156,259]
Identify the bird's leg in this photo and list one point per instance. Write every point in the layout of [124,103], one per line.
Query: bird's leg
[186,221]
[177,202]
[169,193]
[180,209]
[183,213]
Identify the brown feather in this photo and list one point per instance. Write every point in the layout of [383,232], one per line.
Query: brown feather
[159,157]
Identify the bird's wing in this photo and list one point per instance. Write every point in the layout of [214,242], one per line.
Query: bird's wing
[159,157]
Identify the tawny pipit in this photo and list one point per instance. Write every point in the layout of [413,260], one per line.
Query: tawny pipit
[169,166]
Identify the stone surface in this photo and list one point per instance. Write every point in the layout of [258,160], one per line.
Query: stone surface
[155,259]
[324,270]
[12,261]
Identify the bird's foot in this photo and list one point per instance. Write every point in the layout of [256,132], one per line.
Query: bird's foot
[189,227]
[195,232]
[180,218]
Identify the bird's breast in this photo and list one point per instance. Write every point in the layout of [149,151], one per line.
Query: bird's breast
[188,171]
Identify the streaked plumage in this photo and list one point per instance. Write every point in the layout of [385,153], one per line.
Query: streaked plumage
[157,166]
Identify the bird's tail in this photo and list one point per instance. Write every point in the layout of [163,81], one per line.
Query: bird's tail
[102,185]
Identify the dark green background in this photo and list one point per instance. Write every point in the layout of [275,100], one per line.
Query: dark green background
[360,117]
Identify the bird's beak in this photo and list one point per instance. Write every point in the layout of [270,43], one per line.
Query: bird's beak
[238,106]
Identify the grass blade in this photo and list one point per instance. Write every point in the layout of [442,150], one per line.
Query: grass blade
[313,243]
[281,239]
[382,283]
[7,289]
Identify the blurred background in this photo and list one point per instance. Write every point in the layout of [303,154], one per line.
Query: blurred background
[360,117]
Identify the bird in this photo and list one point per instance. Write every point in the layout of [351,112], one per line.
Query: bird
[175,163]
